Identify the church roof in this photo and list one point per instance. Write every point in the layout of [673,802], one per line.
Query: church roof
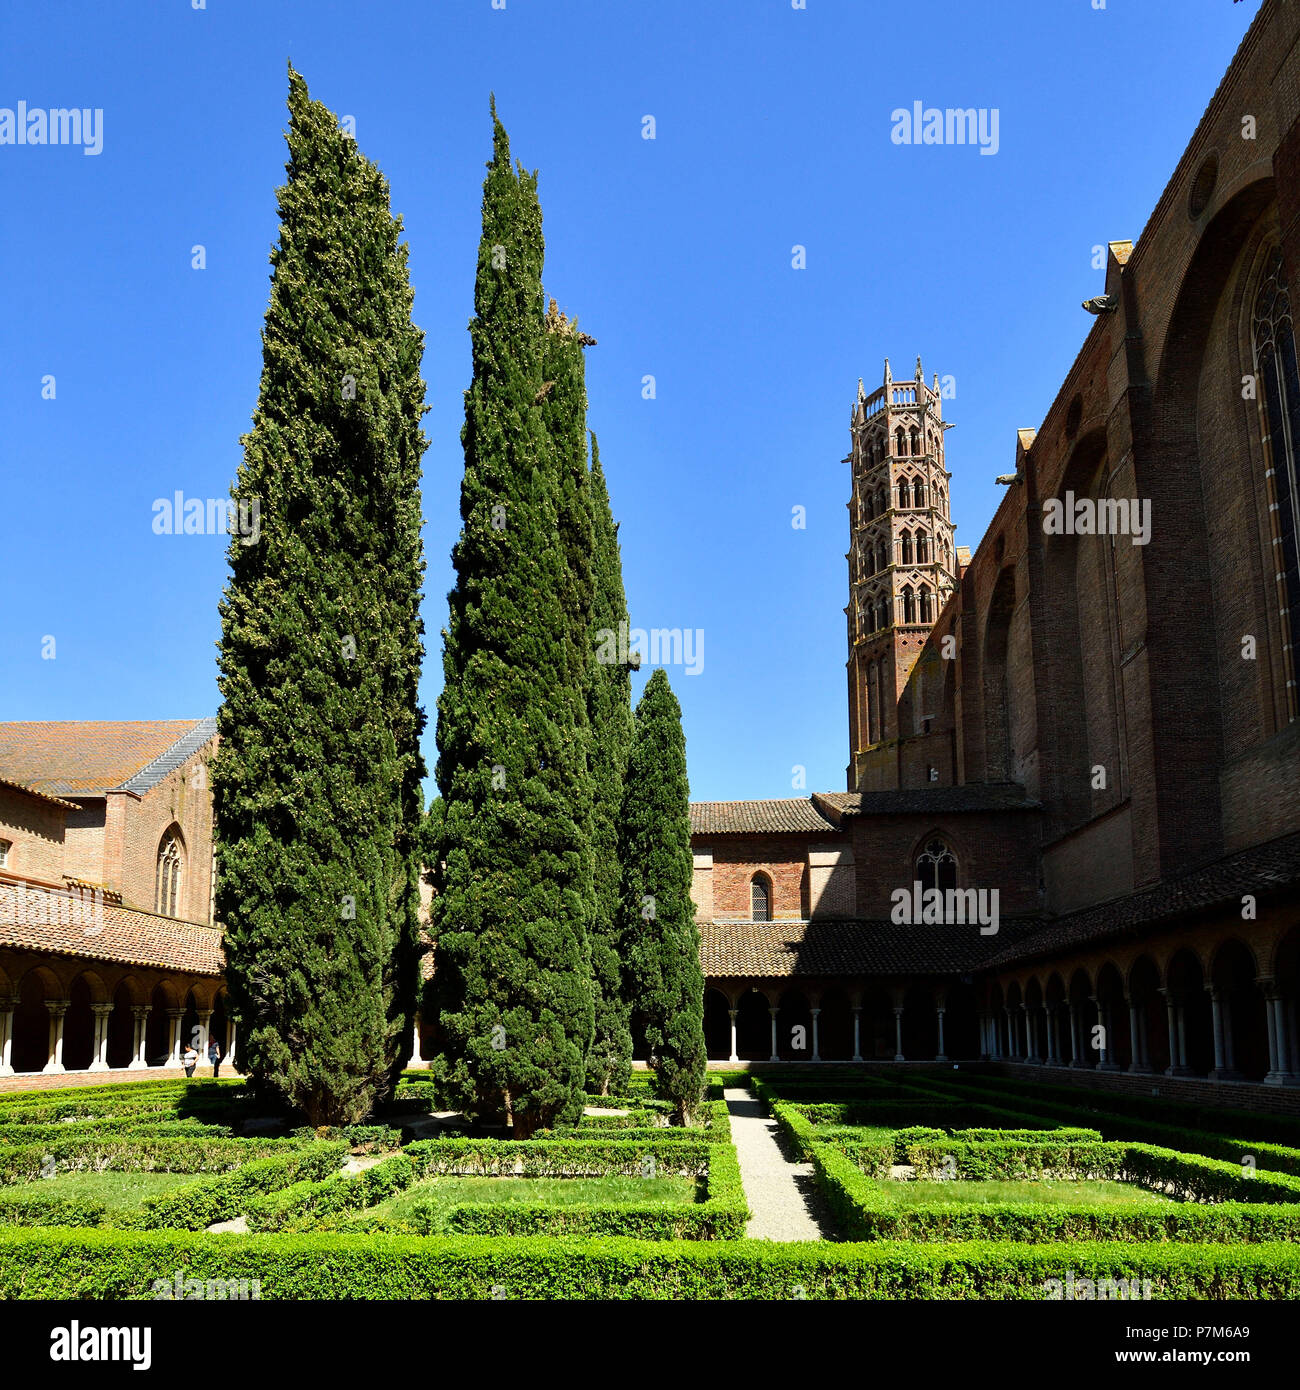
[926,801]
[792,815]
[90,757]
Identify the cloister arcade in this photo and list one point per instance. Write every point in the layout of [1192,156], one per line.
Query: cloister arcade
[1221,1009]
[70,1015]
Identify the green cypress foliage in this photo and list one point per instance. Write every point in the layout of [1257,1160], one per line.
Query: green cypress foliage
[658,916]
[317,778]
[512,870]
[609,1062]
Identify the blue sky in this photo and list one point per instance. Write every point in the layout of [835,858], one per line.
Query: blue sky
[772,130]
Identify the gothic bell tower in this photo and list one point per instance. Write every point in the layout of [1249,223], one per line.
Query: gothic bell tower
[902,561]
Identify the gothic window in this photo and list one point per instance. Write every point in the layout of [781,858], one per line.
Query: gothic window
[907,547]
[916,442]
[899,441]
[167,882]
[882,613]
[918,493]
[880,502]
[760,899]
[922,548]
[871,506]
[927,608]
[868,560]
[873,698]
[903,492]
[882,556]
[1273,332]
[909,605]
[936,867]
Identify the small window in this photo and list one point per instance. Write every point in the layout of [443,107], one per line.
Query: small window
[5,847]
[760,900]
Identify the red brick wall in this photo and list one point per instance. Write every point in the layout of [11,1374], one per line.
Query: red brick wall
[783,858]
[35,830]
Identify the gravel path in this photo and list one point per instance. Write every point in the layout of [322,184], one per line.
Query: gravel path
[776,1189]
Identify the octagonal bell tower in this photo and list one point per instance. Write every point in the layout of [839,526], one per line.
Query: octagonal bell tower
[902,560]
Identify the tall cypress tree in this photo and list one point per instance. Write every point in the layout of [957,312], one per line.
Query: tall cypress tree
[317,779]
[512,867]
[662,939]
[609,1061]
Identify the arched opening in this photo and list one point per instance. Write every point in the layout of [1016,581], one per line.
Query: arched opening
[920,1024]
[961,1025]
[835,1027]
[79,1027]
[169,872]
[717,1026]
[922,547]
[794,1027]
[31,1022]
[1084,1049]
[1147,1015]
[121,1029]
[1243,1025]
[753,1027]
[918,493]
[1193,1031]
[760,898]
[1057,1018]
[1117,1042]
[877,1025]
[158,1028]
[936,866]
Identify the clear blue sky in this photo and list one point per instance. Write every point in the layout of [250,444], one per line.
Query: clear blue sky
[773,129]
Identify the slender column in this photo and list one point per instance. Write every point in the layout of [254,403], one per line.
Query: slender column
[7,1006]
[1010,1021]
[230,1051]
[1275,1062]
[56,1008]
[731,1014]
[1075,1060]
[816,1052]
[1105,1016]
[774,1057]
[898,1034]
[205,1017]
[140,1016]
[174,1017]
[1217,1008]
[1135,1021]
[1051,1034]
[1172,1011]
[99,1057]
[857,1032]
[941,1056]
[1182,1036]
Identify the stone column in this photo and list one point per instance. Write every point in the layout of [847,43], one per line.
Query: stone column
[1275,1014]
[898,1034]
[1218,1008]
[1106,1017]
[140,1017]
[7,1006]
[816,1051]
[99,1056]
[1136,1030]
[174,1042]
[205,1017]
[1050,1013]
[857,1032]
[56,1008]
[773,1013]
[941,1056]
[1173,1010]
[731,1014]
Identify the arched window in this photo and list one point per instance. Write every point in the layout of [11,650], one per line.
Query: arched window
[870,503]
[167,880]
[903,492]
[927,607]
[907,547]
[918,493]
[1273,334]
[880,502]
[909,605]
[873,694]
[922,548]
[936,867]
[900,441]
[882,613]
[916,442]
[882,556]
[868,560]
[760,899]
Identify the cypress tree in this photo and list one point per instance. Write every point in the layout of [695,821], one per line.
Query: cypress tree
[317,780]
[609,1061]
[512,869]
[658,917]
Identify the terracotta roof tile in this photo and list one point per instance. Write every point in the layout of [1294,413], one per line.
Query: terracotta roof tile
[926,801]
[75,924]
[87,757]
[794,815]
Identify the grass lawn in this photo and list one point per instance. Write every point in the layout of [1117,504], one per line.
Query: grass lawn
[435,1196]
[115,1190]
[1092,1193]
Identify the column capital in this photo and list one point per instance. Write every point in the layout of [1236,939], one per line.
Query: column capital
[101,1010]
[58,1006]
[8,1001]
[174,1013]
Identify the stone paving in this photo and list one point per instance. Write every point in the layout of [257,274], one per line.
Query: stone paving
[41,1081]
[777,1189]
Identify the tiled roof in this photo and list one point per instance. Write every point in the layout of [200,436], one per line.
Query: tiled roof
[72,924]
[744,950]
[87,757]
[794,815]
[927,801]
[1262,870]
[40,796]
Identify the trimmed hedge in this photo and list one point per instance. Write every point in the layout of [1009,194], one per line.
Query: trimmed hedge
[568,1158]
[53,1263]
[22,1209]
[118,1153]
